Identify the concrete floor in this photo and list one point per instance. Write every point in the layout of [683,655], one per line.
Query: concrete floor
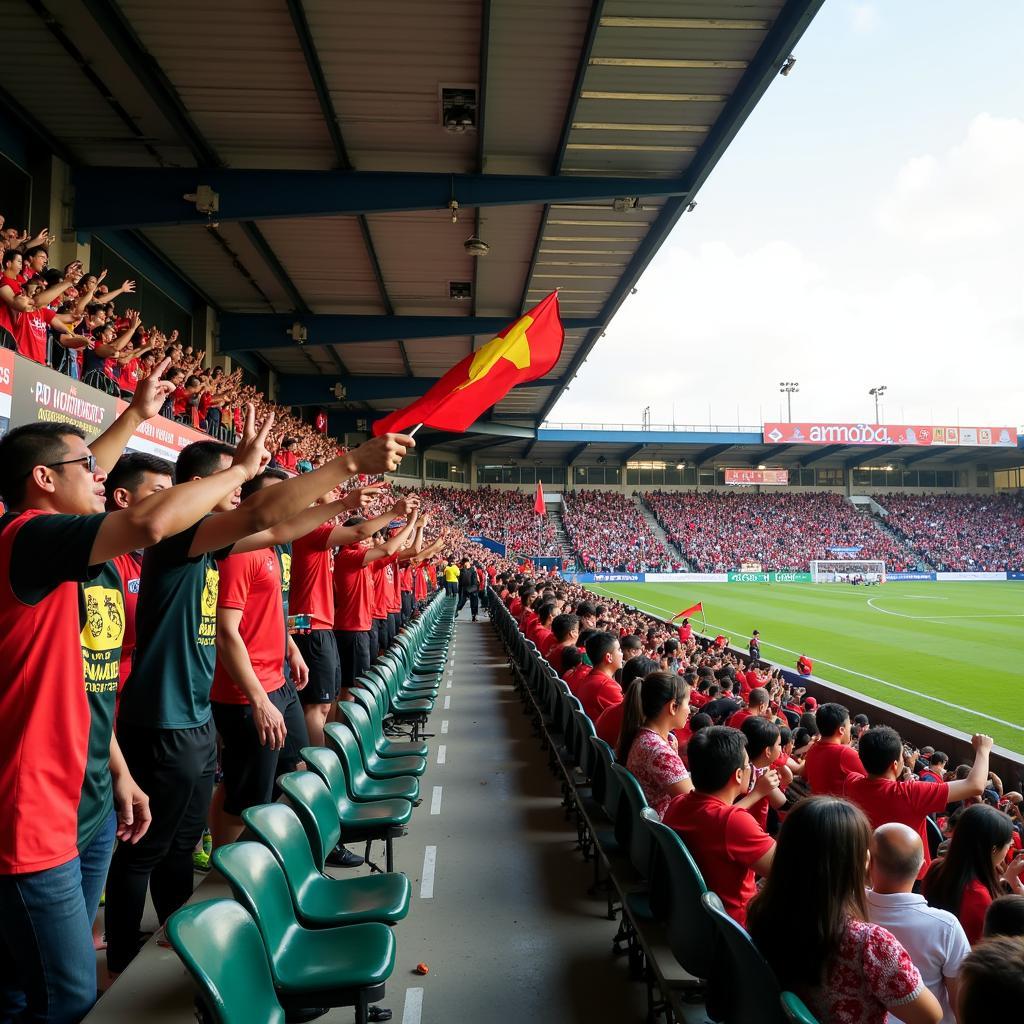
[505,926]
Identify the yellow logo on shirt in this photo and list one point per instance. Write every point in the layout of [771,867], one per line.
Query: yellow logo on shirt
[286,571]
[104,619]
[210,589]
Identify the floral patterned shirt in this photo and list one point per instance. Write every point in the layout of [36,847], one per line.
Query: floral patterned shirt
[656,766]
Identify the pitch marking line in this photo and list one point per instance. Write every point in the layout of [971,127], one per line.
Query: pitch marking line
[413,1010]
[850,671]
[937,618]
[442,754]
[429,863]
[435,800]
[447,703]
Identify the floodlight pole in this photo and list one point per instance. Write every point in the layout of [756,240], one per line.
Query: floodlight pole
[787,387]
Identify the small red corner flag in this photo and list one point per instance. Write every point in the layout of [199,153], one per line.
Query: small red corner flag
[686,612]
[538,501]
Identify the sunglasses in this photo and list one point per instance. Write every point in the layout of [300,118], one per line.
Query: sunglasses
[89,460]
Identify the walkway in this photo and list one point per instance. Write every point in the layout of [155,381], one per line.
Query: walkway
[499,909]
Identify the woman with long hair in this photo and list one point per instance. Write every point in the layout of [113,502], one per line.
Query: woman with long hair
[655,706]
[847,971]
[967,879]
[609,724]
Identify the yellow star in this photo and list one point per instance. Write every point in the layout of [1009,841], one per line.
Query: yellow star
[515,347]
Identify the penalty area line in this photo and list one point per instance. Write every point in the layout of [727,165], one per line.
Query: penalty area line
[850,671]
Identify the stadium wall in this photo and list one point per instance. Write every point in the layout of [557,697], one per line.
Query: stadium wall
[756,578]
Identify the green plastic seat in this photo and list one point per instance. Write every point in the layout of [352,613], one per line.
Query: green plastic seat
[630,834]
[385,747]
[795,1011]
[377,767]
[211,940]
[321,901]
[323,967]
[758,997]
[361,787]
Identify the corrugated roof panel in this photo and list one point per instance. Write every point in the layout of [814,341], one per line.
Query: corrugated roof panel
[378,357]
[437,356]
[511,232]
[239,70]
[327,261]
[384,65]
[722,9]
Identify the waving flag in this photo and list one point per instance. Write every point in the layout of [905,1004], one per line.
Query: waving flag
[525,350]
[538,501]
[687,612]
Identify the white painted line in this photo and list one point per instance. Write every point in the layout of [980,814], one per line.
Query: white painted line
[413,1006]
[850,671]
[442,754]
[937,618]
[444,726]
[447,703]
[427,878]
[449,686]
[435,801]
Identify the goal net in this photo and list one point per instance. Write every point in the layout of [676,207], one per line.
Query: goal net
[848,570]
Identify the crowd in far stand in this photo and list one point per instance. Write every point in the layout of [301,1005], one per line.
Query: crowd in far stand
[960,532]
[899,872]
[71,319]
[608,532]
[717,532]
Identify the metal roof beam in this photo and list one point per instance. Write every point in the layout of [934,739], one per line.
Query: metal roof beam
[771,453]
[822,453]
[576,453]
[710,453]
[926,453]
[778,44]
[241,332]
[150,197]
[632,453]
[968,456]
[857,460]
[311,389]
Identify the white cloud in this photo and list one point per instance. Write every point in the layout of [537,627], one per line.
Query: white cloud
[972,191]
[865,18]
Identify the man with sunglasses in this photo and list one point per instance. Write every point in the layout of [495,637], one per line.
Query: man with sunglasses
[55,536]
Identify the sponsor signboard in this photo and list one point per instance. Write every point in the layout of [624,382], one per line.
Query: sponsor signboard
[6,380]
[748,577]
[770,577]
[757,477]
[686,577]
[606,577]
[1015,575]
[844,551]
[905,577]
[161,436]
[964,576]
[914,435]
[42,395]
[791,577]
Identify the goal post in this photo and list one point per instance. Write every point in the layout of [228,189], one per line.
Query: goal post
[848,570]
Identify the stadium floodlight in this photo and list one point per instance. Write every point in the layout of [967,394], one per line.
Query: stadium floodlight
[877,393]
[761,465]
[788,387]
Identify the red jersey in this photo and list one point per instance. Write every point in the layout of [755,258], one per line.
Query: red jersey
[420,583]
[287,460]
[30,333]
[251,583]
[828,766]
[44,709]
[725,841]
[180,401]
[544,639]
[353,589]
[737,719]
[312,589]
[598,692]
[885,800]
[609,724]
[129,568]
[574,677]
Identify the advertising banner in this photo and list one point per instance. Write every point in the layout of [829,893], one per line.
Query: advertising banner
[6,380]
[162,437]
[791,577]
[606,577]
[757,477]
[845,551]
[748,577]
[769,577]
[1015,575]
[906,577]
[686,577]
[42,395]
[966,576]
[889,434]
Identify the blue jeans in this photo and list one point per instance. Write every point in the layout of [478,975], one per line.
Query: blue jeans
[47,960]
[95,860]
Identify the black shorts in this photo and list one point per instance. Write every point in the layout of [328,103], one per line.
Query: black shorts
[297,737]
[394,625]
[320,651]
[354,654]
[249,767]
[407,605]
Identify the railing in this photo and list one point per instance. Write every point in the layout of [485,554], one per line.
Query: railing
[672,428]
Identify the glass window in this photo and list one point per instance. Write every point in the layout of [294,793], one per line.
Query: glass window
[510,474]
[861,477]
[409,466]
[707,477]
[829,477]
[926,477]
[558,476]
[944,478]
[488,474]
[983,475]
[527,474]
[632,477]
[910,478]
[612,475]
[437,469]
[458,475]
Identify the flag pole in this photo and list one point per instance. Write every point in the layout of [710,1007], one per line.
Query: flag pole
[412,433]
[704,617]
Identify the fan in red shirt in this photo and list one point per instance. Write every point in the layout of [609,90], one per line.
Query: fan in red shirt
[539,629]
[30,335]
[884,796]
[831,760]
[600,689]
[728,845]
[287,457]
[565,630]
[757,706]
[804,665]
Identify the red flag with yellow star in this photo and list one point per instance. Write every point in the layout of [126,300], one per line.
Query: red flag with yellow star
[525,350]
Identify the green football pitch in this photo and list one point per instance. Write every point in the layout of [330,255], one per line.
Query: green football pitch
[952,652]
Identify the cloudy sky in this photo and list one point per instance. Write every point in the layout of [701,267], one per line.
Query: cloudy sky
[866,227]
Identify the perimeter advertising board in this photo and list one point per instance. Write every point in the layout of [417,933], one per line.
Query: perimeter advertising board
[6,380]
[889,434]
[42,395]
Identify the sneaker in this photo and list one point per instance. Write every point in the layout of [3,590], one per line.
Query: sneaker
[342,857]
[207,842]
[200,860]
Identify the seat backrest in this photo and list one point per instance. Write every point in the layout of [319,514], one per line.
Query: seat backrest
[795,1011]
[221,947]
[758,997]
[280,829]
[585,753]
[314,800]
[343,743]
[257,881]
[629,833]
[610,788]
[367,700]
[691,932]
[356,718]
[934,834]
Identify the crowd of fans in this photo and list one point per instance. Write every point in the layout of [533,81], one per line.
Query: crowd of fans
[71,319]
[960,532]
[717,532]
[897,872]
[608,532]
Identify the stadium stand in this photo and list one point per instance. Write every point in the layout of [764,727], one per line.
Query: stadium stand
[718,532]
[608,532]
[959,532]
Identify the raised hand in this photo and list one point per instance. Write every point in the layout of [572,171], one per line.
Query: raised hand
[252,454]
[360,497]
[152,392]
[381,454]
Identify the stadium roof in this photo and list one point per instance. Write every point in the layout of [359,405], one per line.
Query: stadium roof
[321,128]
